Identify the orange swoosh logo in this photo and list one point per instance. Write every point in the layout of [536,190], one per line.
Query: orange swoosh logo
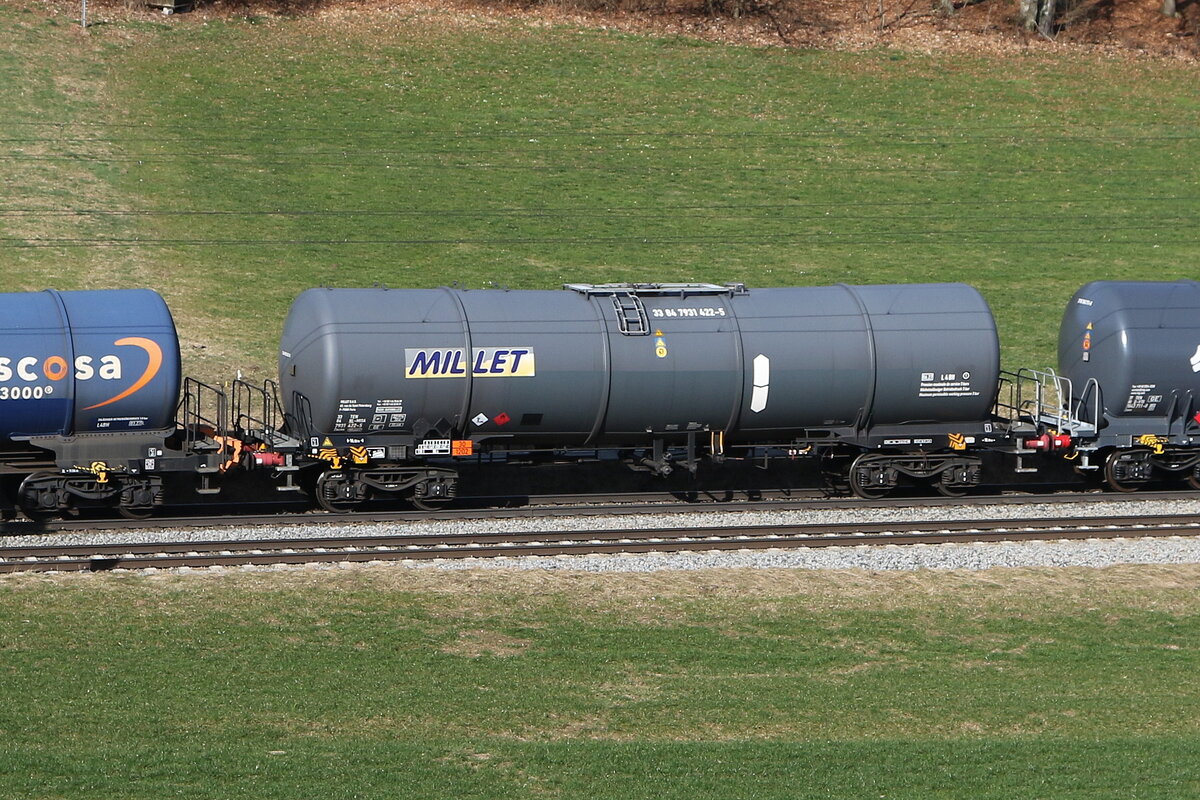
[154,351]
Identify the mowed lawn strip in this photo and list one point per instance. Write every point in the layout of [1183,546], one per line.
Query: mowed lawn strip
[393,682]
[416,147]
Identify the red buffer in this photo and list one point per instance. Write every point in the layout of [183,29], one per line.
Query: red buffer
[1048,442]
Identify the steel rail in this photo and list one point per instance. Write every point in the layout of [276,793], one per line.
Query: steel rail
[84,557]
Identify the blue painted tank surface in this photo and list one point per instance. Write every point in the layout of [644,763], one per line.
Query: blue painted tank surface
[86,362]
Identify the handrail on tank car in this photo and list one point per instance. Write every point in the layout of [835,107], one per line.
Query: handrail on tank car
[298,423]
[1053,403]
[276,416]
[1004,389]
[681,289]
[1092,389]
[203,411]
[256,409]
[1047,405]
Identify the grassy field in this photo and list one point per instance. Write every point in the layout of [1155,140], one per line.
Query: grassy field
[388,682]
[232,163]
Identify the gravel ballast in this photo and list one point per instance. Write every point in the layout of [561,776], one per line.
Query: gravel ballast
[986,555]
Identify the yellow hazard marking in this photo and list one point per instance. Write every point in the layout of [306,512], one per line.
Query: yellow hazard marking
[1152,441]
[100,469]
[958,441]
[326,443]
[1089,327]
[358,455]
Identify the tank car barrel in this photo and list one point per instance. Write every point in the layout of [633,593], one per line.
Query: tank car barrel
[598,365]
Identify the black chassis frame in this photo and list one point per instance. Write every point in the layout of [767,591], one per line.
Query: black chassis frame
[945,446]
[98,468]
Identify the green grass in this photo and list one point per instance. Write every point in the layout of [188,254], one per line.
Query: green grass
[396,683]
[414,149]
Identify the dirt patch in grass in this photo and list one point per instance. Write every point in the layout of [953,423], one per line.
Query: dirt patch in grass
[479,643]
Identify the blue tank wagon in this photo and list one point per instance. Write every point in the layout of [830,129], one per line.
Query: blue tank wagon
[89,384]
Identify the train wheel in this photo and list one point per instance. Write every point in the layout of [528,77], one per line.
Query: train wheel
[337,493]
[1127,470]
[869,492]
[428,503]
[958,478]
[40,497]
[949,490]
[135,512]
[137,498]
[870,477]
[436,491]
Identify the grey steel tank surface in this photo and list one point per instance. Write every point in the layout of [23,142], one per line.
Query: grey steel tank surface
[602,364]
[1139,341]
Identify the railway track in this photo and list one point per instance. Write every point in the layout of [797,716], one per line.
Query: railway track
[570,505]
[96,558]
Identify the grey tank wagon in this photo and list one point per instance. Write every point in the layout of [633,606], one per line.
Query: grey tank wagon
[383,383]
[1127,390]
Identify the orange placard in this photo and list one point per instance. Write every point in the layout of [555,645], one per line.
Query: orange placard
[462,447]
